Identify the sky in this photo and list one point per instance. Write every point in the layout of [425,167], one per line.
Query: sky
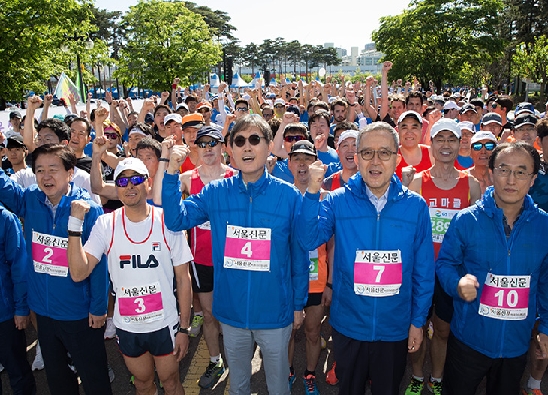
[310,22]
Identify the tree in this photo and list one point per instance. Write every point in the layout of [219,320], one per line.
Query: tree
[165,40]
[531,61]
[433,38]
[252,56]
[294,54]
[216,20]
[309,58]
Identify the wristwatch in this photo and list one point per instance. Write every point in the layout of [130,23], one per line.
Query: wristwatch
[184,330]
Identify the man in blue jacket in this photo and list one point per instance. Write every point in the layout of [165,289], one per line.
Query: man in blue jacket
[14,310]
[260,271]
[69,315]
[494,263]
[383,268]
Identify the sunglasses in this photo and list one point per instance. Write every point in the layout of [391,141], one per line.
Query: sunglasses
[240,140]
[241,109]
[479,146]
[111,136]
[123,182]
[203,110]
[290,139]
[204,144]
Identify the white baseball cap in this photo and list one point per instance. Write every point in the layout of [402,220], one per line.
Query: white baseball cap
[348,134]
[173,117]
[446,124]
[483,135]
[134,164]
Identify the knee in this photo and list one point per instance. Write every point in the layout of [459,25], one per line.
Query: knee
[313,334]
[144,384]
[441,332]
[208,317]
[170,382]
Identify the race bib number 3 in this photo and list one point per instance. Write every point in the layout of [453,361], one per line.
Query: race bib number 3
[440,222]
[377,273]
[49,254]
[505,297]
[247,248]
[141,304]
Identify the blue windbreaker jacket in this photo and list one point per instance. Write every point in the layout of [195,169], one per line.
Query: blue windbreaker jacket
[403,224]
[242,298]
[475,243]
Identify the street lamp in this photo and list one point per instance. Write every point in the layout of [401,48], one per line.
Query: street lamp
[88,43]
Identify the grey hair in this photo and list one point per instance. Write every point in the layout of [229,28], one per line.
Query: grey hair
[378,126]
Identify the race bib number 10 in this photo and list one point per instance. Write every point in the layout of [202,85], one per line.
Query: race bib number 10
[377,273]
[49,254]
[247,248]
[505,297]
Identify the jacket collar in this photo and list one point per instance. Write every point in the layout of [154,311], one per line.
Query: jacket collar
[254,188]
[357,186]
[489,205]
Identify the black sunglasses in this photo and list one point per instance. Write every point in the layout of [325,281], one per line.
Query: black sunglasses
[203,110]
[254,139]
[111,136]
[204,144]
[290,139]
[479,146]
[135,180]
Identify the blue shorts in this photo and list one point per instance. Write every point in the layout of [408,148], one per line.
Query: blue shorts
[157,343]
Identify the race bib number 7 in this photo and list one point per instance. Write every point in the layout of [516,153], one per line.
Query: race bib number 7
[377,273]
[247,248]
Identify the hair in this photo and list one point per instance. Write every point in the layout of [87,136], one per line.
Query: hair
[88,125]
[149,142]
[542,129]
[61,150]
[34,119]
[344,125]
[109,124]
[143,127]
[241,101]
[399,98]
[159,107]
[191,98]
[319,114]
[339,102]
[296,127]
[274,124]
[505,102]
[378,126]
[249,121]
[321,104]
[60,128]
[518,145]
[267,107]
[477,102]
[414,94]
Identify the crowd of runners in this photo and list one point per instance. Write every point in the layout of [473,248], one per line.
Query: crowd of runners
[246,214]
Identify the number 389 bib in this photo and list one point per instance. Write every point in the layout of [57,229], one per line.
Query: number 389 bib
[247,248]
[377,273]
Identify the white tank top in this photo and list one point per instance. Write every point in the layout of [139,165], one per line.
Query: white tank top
[142,275]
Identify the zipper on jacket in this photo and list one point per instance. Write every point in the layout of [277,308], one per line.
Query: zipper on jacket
[249,272]
[509,242]
[377,229]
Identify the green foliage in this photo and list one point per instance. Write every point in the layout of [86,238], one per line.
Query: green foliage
[165,40]
[433,38]
[531,61]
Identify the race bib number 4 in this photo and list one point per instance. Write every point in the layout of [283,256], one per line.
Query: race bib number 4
[49,254]
[440,222]
[247,248]
[505,297]
[141,304]
[377,273]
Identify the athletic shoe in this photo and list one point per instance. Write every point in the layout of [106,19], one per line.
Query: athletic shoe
[331,377]
[38,363]
[291,380]
[531,392]
[111,375]
[196,325]
[434,387]
[212,374]
[323,343]
[414,387]
[110,330]
[310,385]
[1,368]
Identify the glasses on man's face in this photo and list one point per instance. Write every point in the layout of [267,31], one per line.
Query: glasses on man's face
[254,139]
[383,154]
[241,109]
[505,173]
[488,146]
[291,139]
[111,136]
[203,110]
[279,106]
[123,182]
[204,144]
[267,115]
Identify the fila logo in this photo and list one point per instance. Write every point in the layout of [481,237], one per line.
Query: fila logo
[156,246]
[135,261]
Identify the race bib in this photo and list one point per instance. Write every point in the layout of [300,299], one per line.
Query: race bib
[377,273]
[247,248]
[440,217]
[49,254]
[140,304]
[505,297]
[313,265]
[205,226]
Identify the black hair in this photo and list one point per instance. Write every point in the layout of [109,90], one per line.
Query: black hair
[518,145]
[61,150]
[58,127]
[149,142]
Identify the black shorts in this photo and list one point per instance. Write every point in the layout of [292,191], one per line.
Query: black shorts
[314,299]
[443,303]
[157,343]
[202,278]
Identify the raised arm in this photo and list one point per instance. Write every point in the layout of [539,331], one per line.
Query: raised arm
[384,89]
[29,132]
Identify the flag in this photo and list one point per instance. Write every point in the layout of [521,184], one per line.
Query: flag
[64,87]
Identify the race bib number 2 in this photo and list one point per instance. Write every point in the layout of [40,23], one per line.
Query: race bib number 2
[247,248]
[377,273]
[49,254]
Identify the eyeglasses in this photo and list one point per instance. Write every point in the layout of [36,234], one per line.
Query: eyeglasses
[203,110]
[254,139]
[369,154]
[267,115]
[279,106]
[123,182]
[290,139]
[488,146]
[242,109]
[111,136]
[204,144]
[505,173]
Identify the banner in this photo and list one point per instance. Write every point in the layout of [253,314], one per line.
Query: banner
[65,87]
